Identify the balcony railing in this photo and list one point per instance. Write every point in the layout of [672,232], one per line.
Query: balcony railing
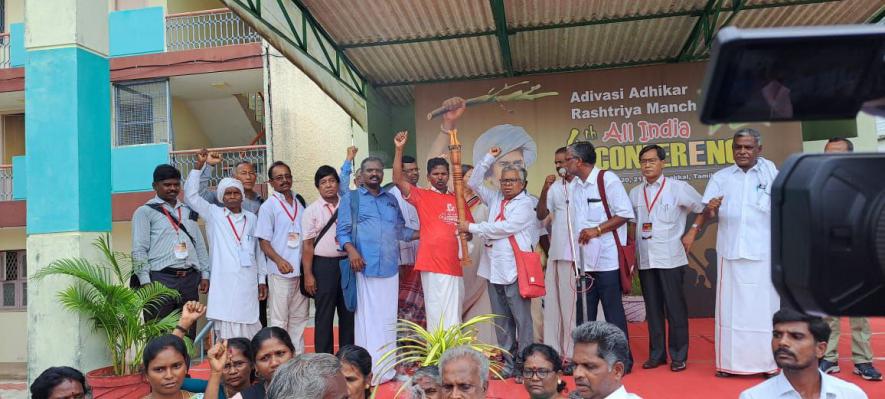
[4,50]
[205,29]
[5,182]
[230,156]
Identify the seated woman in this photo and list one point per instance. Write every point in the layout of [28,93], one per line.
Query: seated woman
[237,373]
[542,372]
[166,363]
[425,383]
[59,383]
[356,365]
[271,348]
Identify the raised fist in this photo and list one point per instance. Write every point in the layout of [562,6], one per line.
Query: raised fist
[400,139]
[351,152]
[495,151]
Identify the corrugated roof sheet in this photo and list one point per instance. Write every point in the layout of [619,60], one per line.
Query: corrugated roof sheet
[533,13]
[365,21]
[468,57]
[598,33]
[595,45]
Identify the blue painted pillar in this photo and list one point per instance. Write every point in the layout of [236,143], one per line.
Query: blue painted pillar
[67,137]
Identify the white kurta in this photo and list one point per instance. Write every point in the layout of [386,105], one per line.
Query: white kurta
[745,297]
[233,288]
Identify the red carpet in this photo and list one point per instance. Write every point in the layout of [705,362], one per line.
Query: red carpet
[695,382]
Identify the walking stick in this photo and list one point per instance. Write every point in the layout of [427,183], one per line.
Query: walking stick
[458,178]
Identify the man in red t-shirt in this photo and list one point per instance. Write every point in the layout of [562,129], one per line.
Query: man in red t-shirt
[438,251]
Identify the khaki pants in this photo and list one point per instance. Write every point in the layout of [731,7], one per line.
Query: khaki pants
[861,351]
[287,308]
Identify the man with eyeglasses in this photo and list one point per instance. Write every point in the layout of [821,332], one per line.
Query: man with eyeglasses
[598,252]
[465,373]
[661,205]
[511,213]
[244,171]
[280,235]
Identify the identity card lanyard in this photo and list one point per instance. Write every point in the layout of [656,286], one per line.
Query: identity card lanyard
[647,226]
[292,236]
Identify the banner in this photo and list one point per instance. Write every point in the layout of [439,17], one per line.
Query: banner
[619,111]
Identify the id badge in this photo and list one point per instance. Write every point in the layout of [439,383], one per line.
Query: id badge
[246,258]
[646,231]
[293,240]
[180,250]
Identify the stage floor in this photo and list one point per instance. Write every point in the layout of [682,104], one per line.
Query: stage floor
[697,381]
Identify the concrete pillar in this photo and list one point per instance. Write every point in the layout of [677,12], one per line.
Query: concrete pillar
[306,128]
[67,114]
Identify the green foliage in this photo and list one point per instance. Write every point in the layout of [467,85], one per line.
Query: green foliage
[636,289]
[425,348]
[101,292]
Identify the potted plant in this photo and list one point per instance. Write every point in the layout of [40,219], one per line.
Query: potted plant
[424,348]
[101,292]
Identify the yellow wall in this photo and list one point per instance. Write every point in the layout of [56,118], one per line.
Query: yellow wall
[866,140]
[179,6]
[188,134]
[15,12]
[13,138]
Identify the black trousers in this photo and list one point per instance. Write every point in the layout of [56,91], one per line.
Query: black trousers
[187,285]
[665,298]
[329,298]
[606,288]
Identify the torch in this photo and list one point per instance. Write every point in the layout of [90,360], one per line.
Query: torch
[458,178]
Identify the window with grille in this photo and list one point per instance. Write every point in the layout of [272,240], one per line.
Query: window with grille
[141,112]
[13,280]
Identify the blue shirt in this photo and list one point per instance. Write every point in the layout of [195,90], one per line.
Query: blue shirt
[380,224]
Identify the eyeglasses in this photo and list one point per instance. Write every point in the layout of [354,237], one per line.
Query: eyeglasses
[648,161]
[507,182]
[541,373]
[282,178]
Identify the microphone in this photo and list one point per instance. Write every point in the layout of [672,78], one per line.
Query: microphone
[562,172]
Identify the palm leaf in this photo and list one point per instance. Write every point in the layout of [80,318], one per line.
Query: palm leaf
[100,291]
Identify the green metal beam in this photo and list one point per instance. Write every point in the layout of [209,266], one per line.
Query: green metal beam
[503,37]
[417,40]
[356,83]
[696,30]
[538,72]
[877,16]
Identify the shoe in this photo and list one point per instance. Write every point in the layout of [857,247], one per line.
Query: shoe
[867,372]
[722,374]
[650,364]
[828,367]
[677,366]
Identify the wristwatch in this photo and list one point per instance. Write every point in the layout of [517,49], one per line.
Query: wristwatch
[696,227]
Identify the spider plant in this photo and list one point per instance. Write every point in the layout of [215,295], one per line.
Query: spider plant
[426,347]
[101,292]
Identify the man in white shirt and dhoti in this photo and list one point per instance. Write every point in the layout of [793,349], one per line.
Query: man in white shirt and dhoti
[745,296]
[237,279]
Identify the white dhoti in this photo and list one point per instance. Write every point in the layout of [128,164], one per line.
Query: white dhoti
[375,319]
[228,330]
[745,302]
[442,299]
[559,306]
